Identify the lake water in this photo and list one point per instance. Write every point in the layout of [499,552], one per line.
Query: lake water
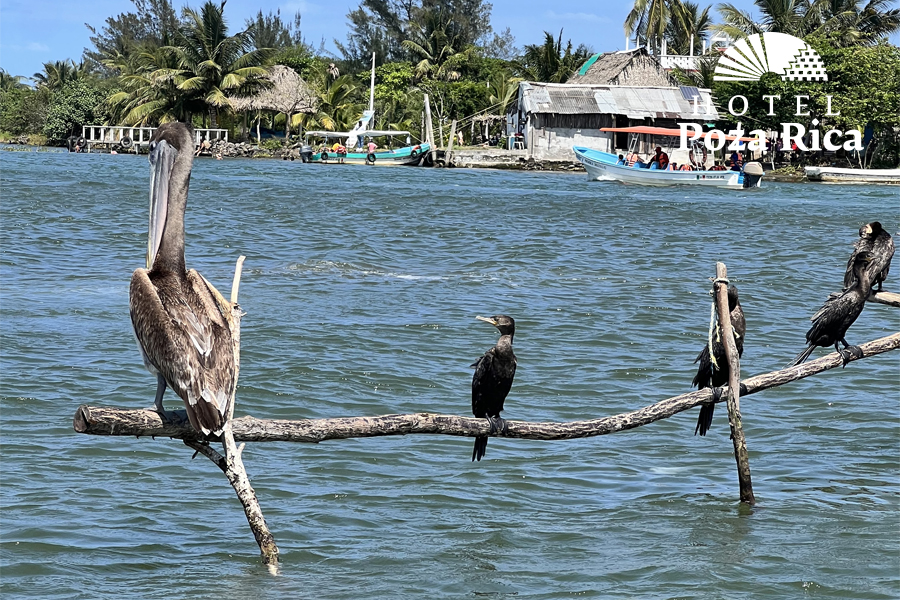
[361,288]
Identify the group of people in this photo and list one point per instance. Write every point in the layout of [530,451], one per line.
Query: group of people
[660,160]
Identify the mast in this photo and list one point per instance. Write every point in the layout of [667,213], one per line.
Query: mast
[372,86]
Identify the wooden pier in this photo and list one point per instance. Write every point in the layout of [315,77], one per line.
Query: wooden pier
[128,138]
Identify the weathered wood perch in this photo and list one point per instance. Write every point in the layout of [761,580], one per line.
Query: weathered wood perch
[97,420]
[741,456]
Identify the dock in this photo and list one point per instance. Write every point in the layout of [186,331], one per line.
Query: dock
[107,137]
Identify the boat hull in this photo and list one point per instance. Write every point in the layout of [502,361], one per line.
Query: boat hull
[836,175]
[409,155]
[601,166]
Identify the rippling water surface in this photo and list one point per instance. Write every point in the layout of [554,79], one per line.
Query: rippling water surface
[361,287]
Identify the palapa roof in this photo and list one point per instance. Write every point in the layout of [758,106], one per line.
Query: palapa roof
[635,102]
[286,92]
[626,67]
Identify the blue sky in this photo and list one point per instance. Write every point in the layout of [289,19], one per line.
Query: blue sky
[35,31]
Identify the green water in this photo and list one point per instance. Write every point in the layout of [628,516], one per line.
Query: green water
[361,287]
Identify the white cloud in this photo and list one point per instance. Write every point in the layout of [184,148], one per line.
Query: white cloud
[570,16]
[36,47]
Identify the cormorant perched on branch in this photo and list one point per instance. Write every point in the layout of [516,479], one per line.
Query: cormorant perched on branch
[872,238]
[493,379]
[716,375]
[831,323]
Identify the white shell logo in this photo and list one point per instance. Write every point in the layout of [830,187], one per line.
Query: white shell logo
[783,54]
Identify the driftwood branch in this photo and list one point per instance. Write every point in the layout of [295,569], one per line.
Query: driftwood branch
[741,455]
[97,420]
[889,298]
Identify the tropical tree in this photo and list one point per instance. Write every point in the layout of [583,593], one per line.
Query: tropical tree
[10,82]
[687,24]
[338,107]
[649,19]
[440,52]
[58,73]
[149,80]
[846,22]
[269,31]
[549,62]
[213,63]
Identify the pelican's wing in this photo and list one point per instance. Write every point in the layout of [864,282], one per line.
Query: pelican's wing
[188,345]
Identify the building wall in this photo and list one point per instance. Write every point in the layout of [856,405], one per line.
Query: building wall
[556,143]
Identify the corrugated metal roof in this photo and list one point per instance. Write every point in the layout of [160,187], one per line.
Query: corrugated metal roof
[633,102]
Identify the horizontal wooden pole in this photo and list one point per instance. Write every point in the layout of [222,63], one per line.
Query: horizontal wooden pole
[888,298]
[96,420]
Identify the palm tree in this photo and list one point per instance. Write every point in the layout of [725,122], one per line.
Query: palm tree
[847,22]
[58,73]
[10,82]
[338,109]
[440,52]
[149,78]
[503,90]
[548,62]
[212,62]
[688,22]
[649,19]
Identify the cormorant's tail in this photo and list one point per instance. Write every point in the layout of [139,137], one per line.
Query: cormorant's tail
[803,355]
[704,421]
[480,447]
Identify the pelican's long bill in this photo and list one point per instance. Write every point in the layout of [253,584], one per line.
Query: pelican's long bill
[162,157]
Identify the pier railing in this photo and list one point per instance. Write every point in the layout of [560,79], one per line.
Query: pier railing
[127,137]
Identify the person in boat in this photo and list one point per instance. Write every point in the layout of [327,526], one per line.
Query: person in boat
[686,167]
[371,146]
[736,161]
[661,159]
[621,160]
[633,160]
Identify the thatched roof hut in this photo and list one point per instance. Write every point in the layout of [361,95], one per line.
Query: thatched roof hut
[628,67]
[286,93]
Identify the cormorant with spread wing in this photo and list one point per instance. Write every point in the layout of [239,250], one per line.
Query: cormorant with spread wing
[840,310]
[493,378]
[715,374]
[180,325]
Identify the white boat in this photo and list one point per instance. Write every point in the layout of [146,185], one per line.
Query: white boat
[602,166]
[351,147]
[836,175]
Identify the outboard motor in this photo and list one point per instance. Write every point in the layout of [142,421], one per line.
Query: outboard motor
[306,153]
[753,172]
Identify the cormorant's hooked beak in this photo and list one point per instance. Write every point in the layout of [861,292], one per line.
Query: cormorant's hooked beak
[487,320]
[162,157]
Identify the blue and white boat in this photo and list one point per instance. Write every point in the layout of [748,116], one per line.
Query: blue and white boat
[603,166]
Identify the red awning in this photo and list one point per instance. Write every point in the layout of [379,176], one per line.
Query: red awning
[670,132]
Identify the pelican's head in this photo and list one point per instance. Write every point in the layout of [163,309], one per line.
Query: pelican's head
[171,157]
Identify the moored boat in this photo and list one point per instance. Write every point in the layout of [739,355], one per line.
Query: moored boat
[838,175]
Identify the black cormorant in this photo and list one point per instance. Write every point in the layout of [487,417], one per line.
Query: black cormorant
[840,310]
[493,379]
[872,238]
[180,326]
[716,375]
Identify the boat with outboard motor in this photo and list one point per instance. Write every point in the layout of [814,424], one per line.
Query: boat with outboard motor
[602,166]
[838,175]
[351,145]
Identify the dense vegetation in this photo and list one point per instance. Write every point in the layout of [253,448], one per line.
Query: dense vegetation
[153,64]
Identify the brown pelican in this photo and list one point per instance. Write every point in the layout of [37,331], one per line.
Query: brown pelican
[493,378]
[180,327]
[715,374]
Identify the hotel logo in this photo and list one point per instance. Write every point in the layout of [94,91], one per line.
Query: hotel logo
[779,53]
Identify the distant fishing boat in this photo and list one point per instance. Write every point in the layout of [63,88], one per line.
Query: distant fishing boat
[605,166]
[350,147]
[836,175]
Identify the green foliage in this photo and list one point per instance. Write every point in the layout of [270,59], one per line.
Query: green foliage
[22,110]
[549,62]
[153,23]
[77,103]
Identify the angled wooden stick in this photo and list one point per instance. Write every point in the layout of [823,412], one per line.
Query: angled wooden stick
[734,389]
